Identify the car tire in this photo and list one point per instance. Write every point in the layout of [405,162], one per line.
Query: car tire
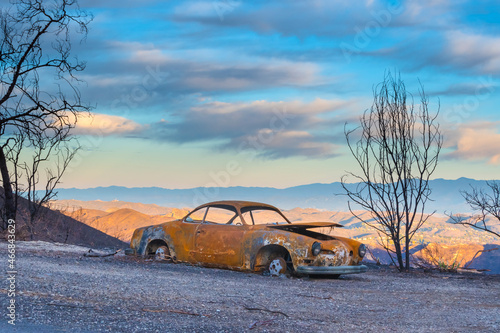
[162,254]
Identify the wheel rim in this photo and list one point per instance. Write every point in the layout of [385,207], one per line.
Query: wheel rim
[277,266]
[161,253]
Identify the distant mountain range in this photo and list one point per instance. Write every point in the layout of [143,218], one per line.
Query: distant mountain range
[445,195]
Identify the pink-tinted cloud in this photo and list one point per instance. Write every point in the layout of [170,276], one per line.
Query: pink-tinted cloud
[105,125]
[475,142]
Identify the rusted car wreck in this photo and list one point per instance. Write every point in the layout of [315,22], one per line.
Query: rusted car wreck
[250,236]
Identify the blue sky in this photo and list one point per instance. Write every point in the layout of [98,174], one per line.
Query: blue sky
[256,93]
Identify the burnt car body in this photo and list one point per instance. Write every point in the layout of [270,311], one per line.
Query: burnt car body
[250,236]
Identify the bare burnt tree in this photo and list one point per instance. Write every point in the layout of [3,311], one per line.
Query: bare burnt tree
[486,204]
[41,172]
[39,98]
[397,148]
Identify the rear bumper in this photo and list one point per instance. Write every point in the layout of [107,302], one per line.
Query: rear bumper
[331,270]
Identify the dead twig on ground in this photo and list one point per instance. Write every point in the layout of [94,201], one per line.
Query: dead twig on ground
[97,255]
[265,310]
[313,296]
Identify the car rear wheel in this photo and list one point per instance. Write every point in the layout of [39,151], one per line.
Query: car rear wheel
[162,253]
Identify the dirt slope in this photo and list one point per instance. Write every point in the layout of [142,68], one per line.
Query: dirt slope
[54,226]
[120,223]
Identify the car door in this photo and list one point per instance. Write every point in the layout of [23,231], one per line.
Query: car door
[184,236]
[218,243]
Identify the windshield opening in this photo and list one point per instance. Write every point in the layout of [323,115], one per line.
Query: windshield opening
[262,215]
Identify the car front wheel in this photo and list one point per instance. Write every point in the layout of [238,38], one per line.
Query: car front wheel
[277,266]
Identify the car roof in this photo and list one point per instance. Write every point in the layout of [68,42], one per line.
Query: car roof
[238,204]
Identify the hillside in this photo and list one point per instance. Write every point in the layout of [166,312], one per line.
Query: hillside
[110,206]
[53,226]
[121,223]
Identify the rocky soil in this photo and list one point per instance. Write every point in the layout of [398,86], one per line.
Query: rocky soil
[60,290]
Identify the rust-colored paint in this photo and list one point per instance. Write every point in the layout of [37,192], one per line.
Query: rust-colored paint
[245,247]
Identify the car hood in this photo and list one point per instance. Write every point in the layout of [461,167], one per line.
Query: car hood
[306,225]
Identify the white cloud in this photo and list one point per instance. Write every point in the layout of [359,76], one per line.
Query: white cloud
[296,107]
[274,129]
[200,8]
[159,72]
[103,125]
[474,51]
[290,143]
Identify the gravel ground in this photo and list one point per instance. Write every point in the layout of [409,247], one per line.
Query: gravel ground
[59,290]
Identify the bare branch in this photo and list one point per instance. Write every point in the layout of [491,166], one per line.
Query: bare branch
[487,206]
[36,119]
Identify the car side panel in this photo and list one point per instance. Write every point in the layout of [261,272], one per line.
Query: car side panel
[182,237]
[219,245]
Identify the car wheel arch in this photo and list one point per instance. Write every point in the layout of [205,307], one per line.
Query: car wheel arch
[153,245]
